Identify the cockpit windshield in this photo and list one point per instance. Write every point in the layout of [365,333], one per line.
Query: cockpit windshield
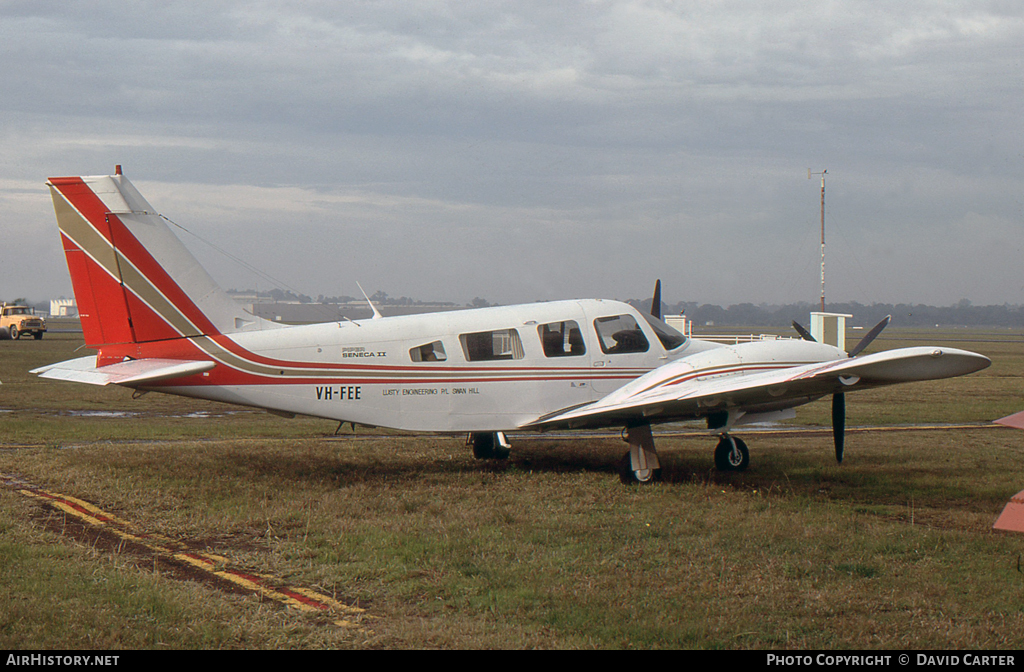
[669,337]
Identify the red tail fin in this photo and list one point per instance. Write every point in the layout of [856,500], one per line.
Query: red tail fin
[134,281]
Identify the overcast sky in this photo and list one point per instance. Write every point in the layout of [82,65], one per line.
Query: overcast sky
[521,151]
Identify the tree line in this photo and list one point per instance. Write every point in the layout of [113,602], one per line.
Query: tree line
[963,313]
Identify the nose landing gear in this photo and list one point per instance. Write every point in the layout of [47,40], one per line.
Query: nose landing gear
[640,464]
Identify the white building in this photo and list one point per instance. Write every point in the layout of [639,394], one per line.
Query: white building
[63,308]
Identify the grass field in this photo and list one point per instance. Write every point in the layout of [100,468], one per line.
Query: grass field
[893,549]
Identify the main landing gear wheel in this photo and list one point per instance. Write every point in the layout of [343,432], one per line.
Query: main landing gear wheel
[731,454]
[642,476]
[487,446]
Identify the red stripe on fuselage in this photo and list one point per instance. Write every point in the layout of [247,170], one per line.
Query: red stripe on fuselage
[227,374]
[183,348]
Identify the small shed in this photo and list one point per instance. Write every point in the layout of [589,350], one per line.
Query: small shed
[63,308]
[829,328]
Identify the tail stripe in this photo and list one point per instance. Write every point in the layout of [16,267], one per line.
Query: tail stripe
[104,238]
[152,275]
[98,259]
[117,237]
[116,288]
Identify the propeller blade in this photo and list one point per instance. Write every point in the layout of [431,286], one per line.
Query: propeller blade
[656,301]
[839,424]
[871,335]
[804,334]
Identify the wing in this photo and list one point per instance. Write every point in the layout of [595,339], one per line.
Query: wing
[676,391]
[131,373]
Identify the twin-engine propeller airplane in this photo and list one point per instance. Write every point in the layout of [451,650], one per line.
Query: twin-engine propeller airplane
[159,322]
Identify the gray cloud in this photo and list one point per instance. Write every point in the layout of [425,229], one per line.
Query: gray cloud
[523,151]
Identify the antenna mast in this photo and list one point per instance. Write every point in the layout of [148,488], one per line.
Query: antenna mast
[822,173]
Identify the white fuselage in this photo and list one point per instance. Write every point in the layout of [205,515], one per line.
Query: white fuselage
[490,369]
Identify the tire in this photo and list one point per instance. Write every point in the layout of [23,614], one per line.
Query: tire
[629,477]
[486,447]
[13,331]
[731,454]
[38,335]
[483,446]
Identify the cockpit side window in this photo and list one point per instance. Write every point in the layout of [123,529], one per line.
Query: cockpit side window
[620,334]
[669,337]
[431,352]
[562,339]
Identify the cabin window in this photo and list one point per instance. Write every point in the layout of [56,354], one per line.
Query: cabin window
[562,339]
[620,334]
[486,346]
[431,352]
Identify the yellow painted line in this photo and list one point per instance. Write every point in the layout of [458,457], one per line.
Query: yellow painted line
[66,508]
[90,507]
[334,604]
[254,583]
[267,592]
[299,598]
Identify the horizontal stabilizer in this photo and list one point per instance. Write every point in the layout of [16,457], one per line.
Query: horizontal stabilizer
[132,373]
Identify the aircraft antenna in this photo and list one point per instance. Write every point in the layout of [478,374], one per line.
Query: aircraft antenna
[822,173]
[376,313]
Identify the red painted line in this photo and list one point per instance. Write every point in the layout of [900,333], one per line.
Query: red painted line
[303,599]
[263,583]
[197,558]
[77,507]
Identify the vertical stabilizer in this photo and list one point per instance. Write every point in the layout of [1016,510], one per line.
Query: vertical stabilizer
[134,281]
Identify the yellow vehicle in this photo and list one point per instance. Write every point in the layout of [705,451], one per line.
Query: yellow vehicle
[18,320]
